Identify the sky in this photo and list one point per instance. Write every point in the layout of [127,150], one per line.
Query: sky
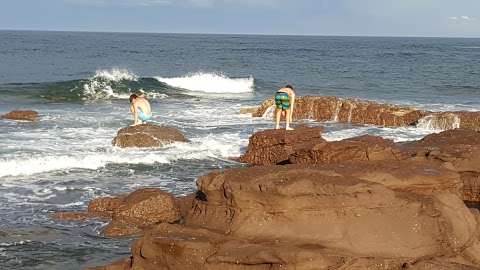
[432,18]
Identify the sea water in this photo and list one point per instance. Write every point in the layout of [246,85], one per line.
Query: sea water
[80,84]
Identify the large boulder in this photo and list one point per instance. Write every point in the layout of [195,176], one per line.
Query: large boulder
[129,214]
[315,217]
[308,205]
[21,115]
[275,146]
[457,150]
[147,135]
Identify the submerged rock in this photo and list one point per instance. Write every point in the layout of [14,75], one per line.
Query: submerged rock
[147,135]
[21,115]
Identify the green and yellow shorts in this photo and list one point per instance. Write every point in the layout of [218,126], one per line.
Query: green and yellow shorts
[282,101]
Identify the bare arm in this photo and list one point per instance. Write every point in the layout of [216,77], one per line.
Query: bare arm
[134,111]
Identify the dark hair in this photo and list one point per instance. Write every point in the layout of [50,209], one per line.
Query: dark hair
[289,86]
[132,97]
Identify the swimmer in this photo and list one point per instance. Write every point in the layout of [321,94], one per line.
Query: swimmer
[140,108]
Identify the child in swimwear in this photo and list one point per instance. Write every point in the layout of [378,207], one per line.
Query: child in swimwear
[140,108]
[284,102]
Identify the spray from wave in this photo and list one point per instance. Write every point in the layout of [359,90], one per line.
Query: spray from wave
[214,83]
[222,146]
[101,85]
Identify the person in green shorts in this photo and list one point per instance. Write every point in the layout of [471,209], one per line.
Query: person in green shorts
[284,102]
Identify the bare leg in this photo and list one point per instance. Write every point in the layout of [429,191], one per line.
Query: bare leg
[278,115]
[288,117]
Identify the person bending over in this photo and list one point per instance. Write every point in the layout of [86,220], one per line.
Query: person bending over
[284,102]
[140,108]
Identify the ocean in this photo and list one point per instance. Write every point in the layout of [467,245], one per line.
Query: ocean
[80,83]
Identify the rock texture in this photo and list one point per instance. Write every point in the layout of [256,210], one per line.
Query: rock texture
[275,146]
[361,203]
[21,116]
[315,217]
[130,214]
[457,150]
[323,108]
[147,135]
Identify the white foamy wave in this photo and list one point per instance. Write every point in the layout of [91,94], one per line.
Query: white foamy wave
[211,83]
[221,146]
[401,134]
[439,122]
[115,75]
[100,85]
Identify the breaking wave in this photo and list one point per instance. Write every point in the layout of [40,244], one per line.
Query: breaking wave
[221,146]
[215,83]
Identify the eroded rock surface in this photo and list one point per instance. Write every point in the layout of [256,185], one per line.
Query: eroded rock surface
[147,135]
[315,217]
[275,146]
[130,214]
[323,108]
[21,115]
[457,150]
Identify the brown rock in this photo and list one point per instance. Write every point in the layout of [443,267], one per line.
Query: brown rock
[275,146]
[317,217]
[129,214]
[315,206]
[457,150]
[349,110]
[21,115]
[364,148]
[323,108]
[147,135]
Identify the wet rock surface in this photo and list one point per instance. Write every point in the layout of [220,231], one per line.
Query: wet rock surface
[129,214]
[147,135]
[275,146]
[315,217]
[324,108]
[360,203]
[21,115]
[457,150]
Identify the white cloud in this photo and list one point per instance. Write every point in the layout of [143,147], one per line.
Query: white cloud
[462,18]
[194,3]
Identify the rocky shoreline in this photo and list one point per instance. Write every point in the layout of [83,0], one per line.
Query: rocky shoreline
[323,108]
[360,203]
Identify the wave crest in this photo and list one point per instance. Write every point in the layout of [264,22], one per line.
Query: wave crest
[215,83]
[101,85]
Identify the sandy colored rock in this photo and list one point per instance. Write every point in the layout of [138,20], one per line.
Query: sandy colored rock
[147,135]
[21,115]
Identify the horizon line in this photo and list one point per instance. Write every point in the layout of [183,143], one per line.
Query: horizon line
[230,34]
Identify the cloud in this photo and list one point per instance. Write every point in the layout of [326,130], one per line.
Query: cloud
[184,3]
[462,18]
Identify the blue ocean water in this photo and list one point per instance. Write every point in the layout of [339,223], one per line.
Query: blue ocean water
[80,83]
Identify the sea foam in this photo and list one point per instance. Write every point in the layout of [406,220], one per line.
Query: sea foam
[215,83]
[219,146]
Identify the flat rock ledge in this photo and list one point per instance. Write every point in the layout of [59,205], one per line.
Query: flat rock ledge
[456,150]
[147,135]
[27,115]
